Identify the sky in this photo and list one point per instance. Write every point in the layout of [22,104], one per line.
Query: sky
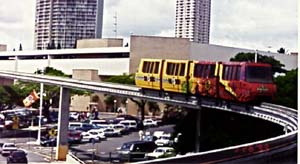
[252,24]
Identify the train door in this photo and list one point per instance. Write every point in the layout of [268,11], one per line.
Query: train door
[175,76]
[148,75]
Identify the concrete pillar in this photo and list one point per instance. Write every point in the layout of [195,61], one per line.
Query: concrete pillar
[198,129]
[63,123]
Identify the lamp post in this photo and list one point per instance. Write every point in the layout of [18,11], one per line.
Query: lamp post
[41,107]
[115,106]
[255,57]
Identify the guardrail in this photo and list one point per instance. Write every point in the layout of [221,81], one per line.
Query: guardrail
[283,116]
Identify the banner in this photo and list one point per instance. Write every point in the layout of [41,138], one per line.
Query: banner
[30,99]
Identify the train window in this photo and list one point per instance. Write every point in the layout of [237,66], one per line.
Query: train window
[212,70]
[156,68]
[176,69]
[230,73]
[150,67]
[182,69]
[145,67]
[238,72]
[258,74]
[225,72]
[170,68]
[197,70]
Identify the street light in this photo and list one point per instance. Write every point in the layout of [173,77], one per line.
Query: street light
[115,106]
[255,57]
[41,107]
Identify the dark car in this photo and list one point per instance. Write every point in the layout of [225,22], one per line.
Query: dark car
[48,141]
[18,156]
[135,150]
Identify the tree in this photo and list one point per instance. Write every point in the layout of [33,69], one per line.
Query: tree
[52,93]
[249,57]
[281,51]
[129,79]
[287,89]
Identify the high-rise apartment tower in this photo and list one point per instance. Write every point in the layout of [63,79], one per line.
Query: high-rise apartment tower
[193,20]
[61,22]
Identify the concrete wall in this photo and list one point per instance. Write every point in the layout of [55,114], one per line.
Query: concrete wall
[105,66]
[96,43]
[156,47]
[221,53]
[83,103]
[3,47]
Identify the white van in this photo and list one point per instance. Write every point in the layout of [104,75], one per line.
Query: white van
[129,124]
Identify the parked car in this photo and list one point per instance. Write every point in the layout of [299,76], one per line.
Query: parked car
[130,117]
[18,156]
[149,123]
[7,148]
[111,132]
[164,140]
[48,141]
[74,116]
[81,126]
[135,150]
[74,136]
[90,137]
[100,134]
[120,128]
[161,152]
[129,124]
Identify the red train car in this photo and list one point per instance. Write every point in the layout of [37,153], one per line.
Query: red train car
[246,82]
[235,81]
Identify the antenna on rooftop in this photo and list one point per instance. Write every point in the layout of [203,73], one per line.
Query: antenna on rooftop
[116,25]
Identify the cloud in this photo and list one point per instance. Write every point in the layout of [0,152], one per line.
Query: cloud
[254,24]
[17,23]
[140,17]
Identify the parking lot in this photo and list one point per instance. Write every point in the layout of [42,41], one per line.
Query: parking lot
[103,150]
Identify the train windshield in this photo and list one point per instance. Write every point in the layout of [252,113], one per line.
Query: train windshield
[257,74]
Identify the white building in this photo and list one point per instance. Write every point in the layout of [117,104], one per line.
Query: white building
[63,22]
[193,20]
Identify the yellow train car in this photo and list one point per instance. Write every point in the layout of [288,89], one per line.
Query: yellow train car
[148,74]
[166,75]
[176,76]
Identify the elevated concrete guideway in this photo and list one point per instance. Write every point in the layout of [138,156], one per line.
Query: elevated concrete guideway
[283,116]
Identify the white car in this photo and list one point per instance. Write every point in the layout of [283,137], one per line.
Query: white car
[129,124]
[90,137]
[99,133]
[111,132]
[164,140]
[149,123]
[161,152]
[74,115]
[7,148]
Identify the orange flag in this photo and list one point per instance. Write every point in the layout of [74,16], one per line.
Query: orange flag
[30,99]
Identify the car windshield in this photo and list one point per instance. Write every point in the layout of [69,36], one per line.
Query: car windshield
[159,150]
[126,146]
[19,154]
[257,74]
[164,137]
[10,145]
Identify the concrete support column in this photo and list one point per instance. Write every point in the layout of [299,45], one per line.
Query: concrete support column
[198,129]
[63,123]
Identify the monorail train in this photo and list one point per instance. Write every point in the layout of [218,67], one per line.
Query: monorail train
[233,81]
